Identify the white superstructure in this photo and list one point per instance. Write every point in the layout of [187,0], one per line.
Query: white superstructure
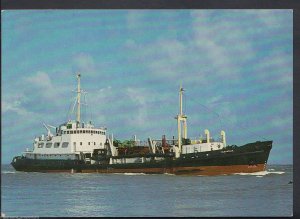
[70,139]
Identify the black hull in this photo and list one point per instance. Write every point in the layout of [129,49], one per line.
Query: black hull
[248,158]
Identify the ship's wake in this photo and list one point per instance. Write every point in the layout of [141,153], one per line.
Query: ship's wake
[261,173]
[8,172]
[130,174]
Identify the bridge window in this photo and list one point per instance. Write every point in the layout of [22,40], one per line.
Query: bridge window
[56,144]
[40,145]
[48,145]
[65,144]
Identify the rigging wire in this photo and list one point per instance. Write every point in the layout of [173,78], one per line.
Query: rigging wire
[240,126]
[68,112]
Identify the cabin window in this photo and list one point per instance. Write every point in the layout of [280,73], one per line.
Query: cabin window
[80,143]
[67,132]
[100,143]
[83,131]
[88,131]
[48,145]
[65,144]
[77,131]
[94,143]
[89,143]
[56,144]
[40,145]
[71,132]
[80,131]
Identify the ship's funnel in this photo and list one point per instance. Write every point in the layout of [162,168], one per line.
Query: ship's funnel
[223,136]
[207,135]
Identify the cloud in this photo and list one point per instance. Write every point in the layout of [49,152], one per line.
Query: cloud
[84,63]
[14,106]
[41,83]
[268,18]
[276,68]
[134,19]
[282,121]
[140,115]
[222,43]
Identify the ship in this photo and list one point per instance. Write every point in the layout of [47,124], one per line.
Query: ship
[80,147]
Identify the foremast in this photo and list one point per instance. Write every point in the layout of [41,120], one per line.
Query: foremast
[181,121]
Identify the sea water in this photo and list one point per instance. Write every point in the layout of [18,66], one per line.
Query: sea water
[266,193]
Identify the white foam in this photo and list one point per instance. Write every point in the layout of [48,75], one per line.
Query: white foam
[260,174]
[169,174]
[134,174]
[7,172]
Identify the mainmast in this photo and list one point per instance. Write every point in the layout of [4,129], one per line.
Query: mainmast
[181,118]
[78,98]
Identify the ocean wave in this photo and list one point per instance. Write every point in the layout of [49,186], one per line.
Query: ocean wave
[134,174]
[131,174]
[169,174]
[261,173]
[8,172]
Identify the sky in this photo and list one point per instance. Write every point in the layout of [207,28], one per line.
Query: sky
[236,67]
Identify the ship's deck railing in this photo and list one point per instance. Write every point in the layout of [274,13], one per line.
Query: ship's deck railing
[158,142]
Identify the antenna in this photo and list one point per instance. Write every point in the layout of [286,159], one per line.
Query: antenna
[78,97]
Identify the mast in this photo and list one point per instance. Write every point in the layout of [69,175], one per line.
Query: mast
[181,118]
[78,98]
